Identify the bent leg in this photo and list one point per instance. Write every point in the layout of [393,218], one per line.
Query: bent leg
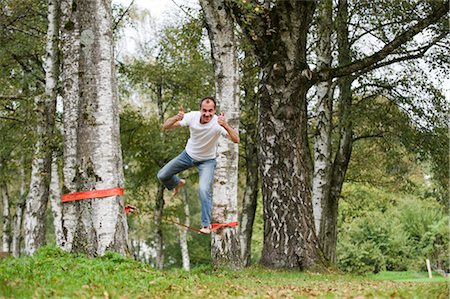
[168,174]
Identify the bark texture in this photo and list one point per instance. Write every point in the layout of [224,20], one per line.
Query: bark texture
[289,235]
[18,217]
[225,248]
[328,235]
[92,151]
[251,191]
[6,225]
[183,234]
[323,130]
[45,108]
[157,220]
[249,119]
[55,201]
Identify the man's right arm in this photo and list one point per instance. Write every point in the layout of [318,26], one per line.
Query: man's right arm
[174,121]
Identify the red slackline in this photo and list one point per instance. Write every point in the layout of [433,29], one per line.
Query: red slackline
[92,194]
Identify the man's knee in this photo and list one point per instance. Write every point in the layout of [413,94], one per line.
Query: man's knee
[161,175]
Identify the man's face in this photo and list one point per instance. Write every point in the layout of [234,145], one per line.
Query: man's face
[207,110]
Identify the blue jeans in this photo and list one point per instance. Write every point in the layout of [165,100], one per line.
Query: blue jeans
[168,176]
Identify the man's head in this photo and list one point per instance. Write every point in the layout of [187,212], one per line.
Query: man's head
[207,109]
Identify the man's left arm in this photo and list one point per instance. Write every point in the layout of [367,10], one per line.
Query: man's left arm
[232,134]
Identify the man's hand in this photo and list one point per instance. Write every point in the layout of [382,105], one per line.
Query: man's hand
[174,121]
[232,134]
[221,120]
[180,114]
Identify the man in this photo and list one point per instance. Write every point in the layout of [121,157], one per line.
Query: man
[205,128]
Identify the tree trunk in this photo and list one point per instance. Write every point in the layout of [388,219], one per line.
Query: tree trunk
[225,249]
[249,119]
[290,240]
[158,215]
[183,234]
[277,30]
[17,234]
[36,205]
[6,227]
[322,138]
[55,201]
[250,193]
[92,151]
[328,235]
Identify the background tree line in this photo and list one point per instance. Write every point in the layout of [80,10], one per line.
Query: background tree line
[329,114]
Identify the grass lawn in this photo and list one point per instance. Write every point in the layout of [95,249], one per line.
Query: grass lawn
[53,273]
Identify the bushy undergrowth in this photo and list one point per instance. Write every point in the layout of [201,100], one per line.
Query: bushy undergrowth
[52,273]
[381,231]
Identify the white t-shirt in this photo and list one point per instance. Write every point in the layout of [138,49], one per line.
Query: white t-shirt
[203,141]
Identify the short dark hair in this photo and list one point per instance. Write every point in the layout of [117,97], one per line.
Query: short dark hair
[208,98]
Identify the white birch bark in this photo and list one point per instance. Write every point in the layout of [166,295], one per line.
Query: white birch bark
[225,249]
[17,231]
[56,205]
[92,152]
[6,234]
[183,234]
[41,166]
[70,50]
[322,138]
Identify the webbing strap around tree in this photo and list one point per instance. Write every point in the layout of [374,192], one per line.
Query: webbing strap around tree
[215,226]
[92,194]
[98,194]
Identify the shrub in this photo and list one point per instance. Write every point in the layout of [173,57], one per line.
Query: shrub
[393,232]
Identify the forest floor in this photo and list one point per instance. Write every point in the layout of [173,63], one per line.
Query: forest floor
[51,273]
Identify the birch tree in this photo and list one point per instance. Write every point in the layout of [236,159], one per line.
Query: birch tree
[56,205]
[322,138]
[346,44]
[45,107]
[338,169]
[278,31]
[6,225]
[92,151]
[18,216]
[225,248]
[183,233]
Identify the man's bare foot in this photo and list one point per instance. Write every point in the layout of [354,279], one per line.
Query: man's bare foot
[178,187]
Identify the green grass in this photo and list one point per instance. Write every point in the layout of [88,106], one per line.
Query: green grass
[52,273]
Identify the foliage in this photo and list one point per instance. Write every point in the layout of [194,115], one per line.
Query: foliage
[177,72]
[22,38]
[54,273]
[390,231]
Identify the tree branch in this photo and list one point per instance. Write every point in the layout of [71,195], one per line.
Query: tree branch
[418,53]
[12,118]
[368,31]
[362,64]
[122,16]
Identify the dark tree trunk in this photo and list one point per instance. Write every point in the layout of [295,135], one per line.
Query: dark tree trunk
[159,241]
[250,193]
[290,240]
